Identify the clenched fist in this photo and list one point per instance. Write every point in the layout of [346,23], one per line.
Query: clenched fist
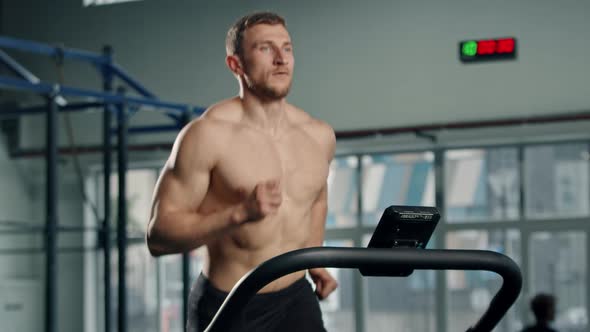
[264,200]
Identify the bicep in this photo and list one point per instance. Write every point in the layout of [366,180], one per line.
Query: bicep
[184,182]
[178,192]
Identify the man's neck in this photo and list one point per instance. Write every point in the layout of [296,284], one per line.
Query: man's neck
[266,115]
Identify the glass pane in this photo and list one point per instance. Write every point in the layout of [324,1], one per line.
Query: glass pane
[171,284]
[140,187]
[470,292]
[558,267]
[342,192]
[481,184]
[400,304]
[556,180]
[400,179]
[142,289]
[171,293]
[338,308]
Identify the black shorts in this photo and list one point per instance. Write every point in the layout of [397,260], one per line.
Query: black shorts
[294,308]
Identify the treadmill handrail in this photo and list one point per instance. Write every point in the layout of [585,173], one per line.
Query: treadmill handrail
[396,258]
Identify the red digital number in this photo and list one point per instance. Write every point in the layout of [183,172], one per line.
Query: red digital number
[505,45]
[486,47]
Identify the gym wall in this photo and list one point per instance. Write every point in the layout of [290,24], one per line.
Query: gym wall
[359,65]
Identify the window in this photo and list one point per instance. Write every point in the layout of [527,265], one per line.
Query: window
[140,186]
[558,267]
[142,272]
[556,181]
[342,192]
[338,308]
[482,184]
[470,292]
[398,179]
[142,289]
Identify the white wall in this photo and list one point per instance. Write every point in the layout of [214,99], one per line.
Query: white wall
[359,64]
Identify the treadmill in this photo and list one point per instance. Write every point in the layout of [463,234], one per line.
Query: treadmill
[397,248]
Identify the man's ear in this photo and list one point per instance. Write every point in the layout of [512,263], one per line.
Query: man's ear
[234,64]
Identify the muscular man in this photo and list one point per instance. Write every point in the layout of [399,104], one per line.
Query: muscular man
[248,181]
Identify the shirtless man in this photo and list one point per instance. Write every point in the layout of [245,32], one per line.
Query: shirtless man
[248,181]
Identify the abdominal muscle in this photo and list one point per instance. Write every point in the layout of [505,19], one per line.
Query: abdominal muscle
[238,252]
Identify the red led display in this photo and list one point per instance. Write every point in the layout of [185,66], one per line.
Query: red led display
[505,45]
[487,49]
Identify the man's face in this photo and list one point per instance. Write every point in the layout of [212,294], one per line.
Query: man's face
[268,60]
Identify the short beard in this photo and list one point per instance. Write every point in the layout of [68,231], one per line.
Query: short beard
[267,92]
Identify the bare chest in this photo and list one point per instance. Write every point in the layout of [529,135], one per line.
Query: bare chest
[296,160]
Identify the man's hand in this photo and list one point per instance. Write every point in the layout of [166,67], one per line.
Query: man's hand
[324,282]
[264,200]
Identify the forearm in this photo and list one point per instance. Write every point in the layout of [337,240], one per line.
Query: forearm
[178,232]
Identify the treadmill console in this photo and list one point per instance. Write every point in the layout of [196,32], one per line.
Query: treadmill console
[403,227]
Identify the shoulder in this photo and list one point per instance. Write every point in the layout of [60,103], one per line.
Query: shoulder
[317,129]
[205,137]
[228,110]
[216,122]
